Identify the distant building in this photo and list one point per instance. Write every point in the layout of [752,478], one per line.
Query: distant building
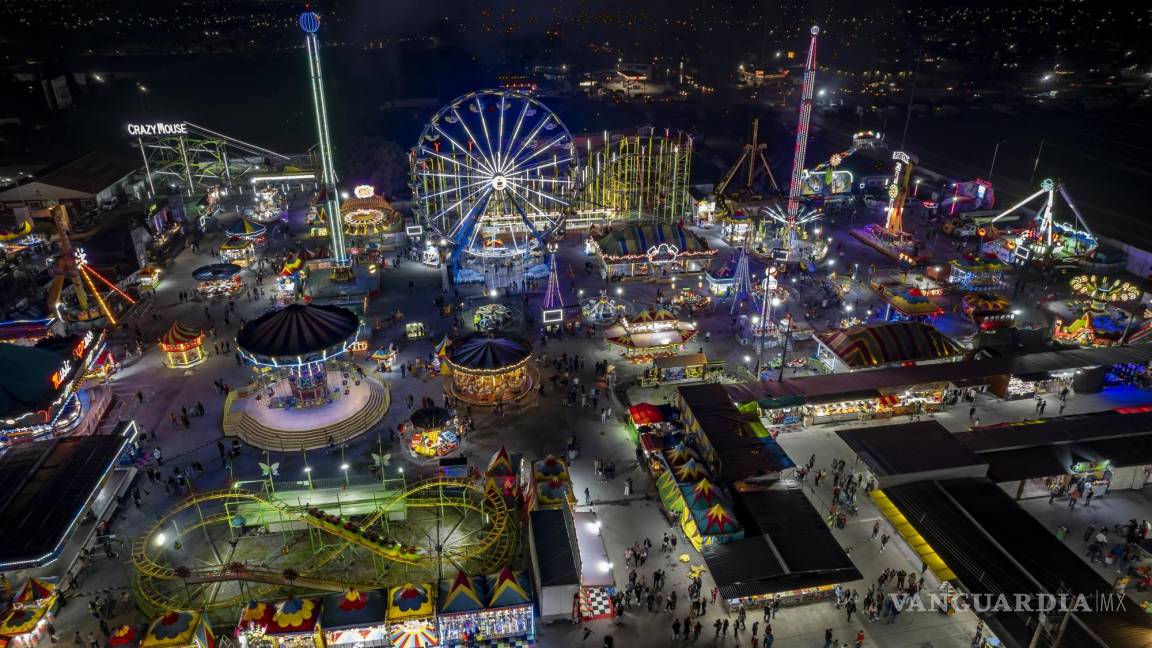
[82,184]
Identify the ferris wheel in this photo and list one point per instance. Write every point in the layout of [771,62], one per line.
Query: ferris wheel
[493,173]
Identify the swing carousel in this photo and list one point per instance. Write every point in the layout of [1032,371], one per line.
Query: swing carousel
[603,309]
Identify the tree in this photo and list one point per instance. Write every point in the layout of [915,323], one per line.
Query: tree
[375,161]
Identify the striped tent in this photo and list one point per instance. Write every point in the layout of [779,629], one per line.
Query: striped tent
[702,495]
[298,330]
[459,595]
[500,464]
[179,336]
[889,343]
[634,242]
[245,229]
[507,588]
[680,454]
[716,520]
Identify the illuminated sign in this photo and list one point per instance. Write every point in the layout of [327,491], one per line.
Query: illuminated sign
[663,253]
[413,230]
[553,316]
[363,191]
[159,128]
[61,374]
[901,156]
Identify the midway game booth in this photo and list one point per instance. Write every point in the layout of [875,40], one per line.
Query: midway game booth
[294,345]
[354,619]
[494,611]
[487,370]
[243,239]
[218,280]
[179,629]
[891,344]
[183,347]
[29,613]
[41,386]
[412,616]
[657,250]
[289,623]
[651,334]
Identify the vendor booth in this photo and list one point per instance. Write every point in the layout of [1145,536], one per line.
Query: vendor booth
[686,367]
[432,432]
[493,608]
[650,334]
[489,369]
[658,250]
[978,274]
[183,347]
[31,610]
[354,619]
[240,251]
[989,311]
[547,484]
[411,616]
[501,474]
[290,623]
[179,629]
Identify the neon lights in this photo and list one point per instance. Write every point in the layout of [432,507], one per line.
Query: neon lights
[801,146]
[158,128]
[364,191]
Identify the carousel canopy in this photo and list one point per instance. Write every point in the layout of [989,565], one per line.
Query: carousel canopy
[298,329]
[180,335]
[430,418]
[881,344]
[507,588]
[635,242]
[459,595]
[352,609]
[479,351]
[245,228]
[294,615]
[216,271]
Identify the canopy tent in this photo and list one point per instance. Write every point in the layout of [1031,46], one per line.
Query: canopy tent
[500,465]
[34,592]
[680,454]
[478,351]
[911,302]
[634,243]
[216,272]
[690,471]
[125,635]
[876,345]
[645,414]
[245,229]
[179,336]
[178,628]
[702,495]
[298,330]
[711,526]
[459,594]
[35,600]
[670,494]
[507,588]
[352,608]
[293,615]
[410,601]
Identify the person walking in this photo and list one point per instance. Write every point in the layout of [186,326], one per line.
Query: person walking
[875,530]
[883,542]
[587,497]
[627,487]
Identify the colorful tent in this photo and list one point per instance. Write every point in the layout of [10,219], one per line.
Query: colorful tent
[702,495]
[294,615]
[889,343]
[36,599]
[34,591]
[415,633]
[717,521]
[911,302]
[670,494]
[680,454]
[634,243]
[125,635]
[178,628]
[352,609]
[459,595]
[690,471]
[507,589]
[500,464]
[179,336]
[409,601]
[645,414]
[245,229]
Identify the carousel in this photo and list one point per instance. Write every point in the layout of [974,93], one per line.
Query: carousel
[268,206]
[603,310]
[652,334]
[243,238]
[218,280]
[183,347]
[489,369]
[367,214]
[432,432]
[294,346]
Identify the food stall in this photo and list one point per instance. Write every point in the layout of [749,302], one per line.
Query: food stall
[468,618]
[354,619]
[650,334]
[460,608]
[183,346]
[735,227]
[686,367]
[415,330]
[290,623]
[30,612]
[431,432]
[1023,386]
[218,280]
[411,616]
[149,276]
[240,251]
[179,629]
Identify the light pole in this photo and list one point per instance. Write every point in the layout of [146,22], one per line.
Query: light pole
[995,152]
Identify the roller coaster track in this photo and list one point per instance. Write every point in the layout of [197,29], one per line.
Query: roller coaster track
[492,549]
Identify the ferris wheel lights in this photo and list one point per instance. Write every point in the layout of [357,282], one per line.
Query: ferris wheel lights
[619,291]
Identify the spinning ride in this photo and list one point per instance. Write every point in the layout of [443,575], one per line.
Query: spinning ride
[218,280]
[1047,240]
[1099,321]
[487,370]
[493,175]
[295,343]
[368,214]
[432,432]
[602,309]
